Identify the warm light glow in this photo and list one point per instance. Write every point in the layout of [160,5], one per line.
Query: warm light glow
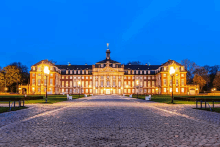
[121,87]
[172,70]
[137,82]
[33,88]
[126,86]
[104,88]
[79,82]
[111,88]
[46,70]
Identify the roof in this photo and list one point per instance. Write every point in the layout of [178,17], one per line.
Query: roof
[44,61]
[142,67]
[74,67]
[170,62]
[104,61]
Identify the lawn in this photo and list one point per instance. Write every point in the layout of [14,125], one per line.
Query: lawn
[50,98]
[167,98]
[6,109]
[207,109]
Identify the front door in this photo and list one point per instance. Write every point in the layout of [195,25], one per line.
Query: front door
[107,91]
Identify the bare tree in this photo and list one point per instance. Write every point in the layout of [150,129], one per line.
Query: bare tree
[190,66]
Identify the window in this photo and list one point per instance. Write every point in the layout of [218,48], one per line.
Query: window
[129,90]
[145,77]
[177,90]
[90,77]
[67,77]
[165,68]
[71,77]
[145,90]
[170,89]
[182,75]
[82,71]
[133,77]
[38,82]
[38,89]
[177,75]
[78,77]
[33,74]
[62,77]
[132,71]
[74,83]
[113,65]
[148,77]
[136,77]
[164,90]
[33,67]
[62,83]
[182,68]
[71,83]
[66,71]
[149,72]
[119,83]
[82,77]
[153,83]
[90,83]
[129,77]
[182,81]
[177,81]
[113,83]
[152,90]
[140,77]
[82,84]
[129,72]
[86,90]
[141,72]
[145,72]
[129,83]
[87,72]
[62,90]
[74,77]
[148,83]
[164,75]
[132,90]
[125,77]
[51,75]
[86,85]
[39,68]
[74,71]
[51,82]
[33,81]
[101,83]
[87,77]
[71,90]
[66,90]
[113,77]
[78,71]
[153,77]
[124,83]
[96,83]
[71,72]
[145,84]
[102,77]
[102,65]
[67,84]
[182,90]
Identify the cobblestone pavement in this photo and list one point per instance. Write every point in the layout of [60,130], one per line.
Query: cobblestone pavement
[110,121]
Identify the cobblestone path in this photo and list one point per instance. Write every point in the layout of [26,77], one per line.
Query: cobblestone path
[110,121]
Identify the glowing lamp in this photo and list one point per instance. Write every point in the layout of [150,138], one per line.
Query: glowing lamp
[172,70]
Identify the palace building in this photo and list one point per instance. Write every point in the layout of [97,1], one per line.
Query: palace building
[108,77]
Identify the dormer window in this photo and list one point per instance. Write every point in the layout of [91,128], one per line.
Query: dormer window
[33,67]
[102,65]
[66,71]
[165,68]
[113,65]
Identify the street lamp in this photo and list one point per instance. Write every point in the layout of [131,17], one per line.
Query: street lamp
[137,83]
[172,72]
[46,72]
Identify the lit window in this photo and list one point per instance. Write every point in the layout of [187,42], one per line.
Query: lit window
[90,77]
[33,75]
[148,77]
[71,77]
[164,90]
[66,71]
[152,90]
[170,89]
[62,77]
[129,77]
[66,77]
[182,75]
[177,90]
[149,90]
[182,90]
[182,81]
[164,75]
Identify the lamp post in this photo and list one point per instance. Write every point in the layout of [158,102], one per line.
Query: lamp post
[46,72]
[137,83]
[172,73]
[79,88]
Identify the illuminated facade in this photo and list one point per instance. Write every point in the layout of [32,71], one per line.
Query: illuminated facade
[109,77]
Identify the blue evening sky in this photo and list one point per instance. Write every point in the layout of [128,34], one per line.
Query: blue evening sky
[76,31]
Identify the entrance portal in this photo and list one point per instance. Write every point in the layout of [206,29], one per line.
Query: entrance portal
[107,91]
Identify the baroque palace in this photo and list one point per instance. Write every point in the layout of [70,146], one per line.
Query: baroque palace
[108,77]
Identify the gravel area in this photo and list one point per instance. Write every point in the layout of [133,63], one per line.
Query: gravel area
[110,121]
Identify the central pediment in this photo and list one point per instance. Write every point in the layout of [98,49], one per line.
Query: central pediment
[108,69]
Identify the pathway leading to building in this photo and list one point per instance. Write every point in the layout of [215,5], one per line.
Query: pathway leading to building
[109,121]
